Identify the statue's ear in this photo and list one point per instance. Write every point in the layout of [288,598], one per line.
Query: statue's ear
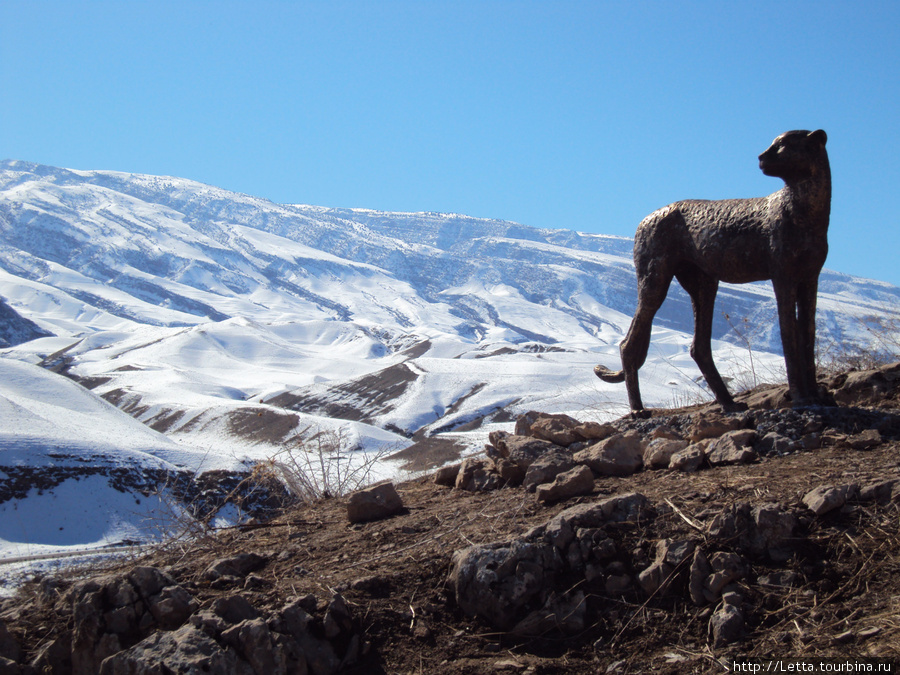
[819,135]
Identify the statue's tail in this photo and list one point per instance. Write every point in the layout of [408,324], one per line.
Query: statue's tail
[607,375]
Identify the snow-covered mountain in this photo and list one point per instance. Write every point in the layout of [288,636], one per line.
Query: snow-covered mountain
[234,325]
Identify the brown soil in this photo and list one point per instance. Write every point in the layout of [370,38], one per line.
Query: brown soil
[393,573]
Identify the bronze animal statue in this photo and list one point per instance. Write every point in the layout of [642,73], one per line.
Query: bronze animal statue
[782,237]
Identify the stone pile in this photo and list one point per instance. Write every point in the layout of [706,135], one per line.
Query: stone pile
[522,586]
[548,453]
[559,576]
[144,623]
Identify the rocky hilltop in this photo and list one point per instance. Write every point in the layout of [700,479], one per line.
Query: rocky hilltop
[673,544]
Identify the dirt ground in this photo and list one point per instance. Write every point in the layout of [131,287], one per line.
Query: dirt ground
[393,573]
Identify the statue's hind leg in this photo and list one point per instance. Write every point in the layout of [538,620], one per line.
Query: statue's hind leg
[703,288]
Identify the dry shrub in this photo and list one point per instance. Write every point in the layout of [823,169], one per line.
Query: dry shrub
[320,464]
[881,347]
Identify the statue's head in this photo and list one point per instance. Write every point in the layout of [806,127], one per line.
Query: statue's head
[794,154]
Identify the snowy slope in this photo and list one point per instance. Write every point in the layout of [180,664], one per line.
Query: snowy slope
[66,456]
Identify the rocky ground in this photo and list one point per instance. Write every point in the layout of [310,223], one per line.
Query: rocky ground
[675,544]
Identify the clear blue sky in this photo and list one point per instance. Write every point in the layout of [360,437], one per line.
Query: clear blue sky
[580,115]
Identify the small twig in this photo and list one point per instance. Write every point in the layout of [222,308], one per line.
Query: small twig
[690,521]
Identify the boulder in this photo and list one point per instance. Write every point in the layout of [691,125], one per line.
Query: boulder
[239,565]
[865,440]
[827,498]
[772,531]
[619,455]
[656,578]
[594,431]
[774,444]
[477,474]
[726,567]
[234,609]
[700,571]
[186,650]
[499,582]
[658,453]
[573,483]
[524,449]
[547,467]
[374,503]
[712,425]
[524,422]
[732,447]
[559,429]
[446,475]
[688,460]
[726,625]
[881,492]
[863,386]
[561,613]
[254,641]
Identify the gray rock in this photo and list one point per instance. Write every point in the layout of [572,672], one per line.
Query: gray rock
[619,455]
[712,425]
[658,453]
[674,551]
[617,584]
[865,440]
[186,650]
[688,460]
[700,571]
[234,609]
[524,449]
[477,475]
[547,467]
[733,447]
[772,531]
[594,431]
[726,625]
[656,578]
[55,656]
[337,617]
[726,567]
[560,614]
[253,640]
[825,498]
[510,472]
[775,444]
[446,475]
[148,581]
[628,507]
[319,655]
[171,607]
[556,428]
[880,492]
[374,503]
[863,386]
[524,422]
[496,581]
[573,483]
[239,565]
